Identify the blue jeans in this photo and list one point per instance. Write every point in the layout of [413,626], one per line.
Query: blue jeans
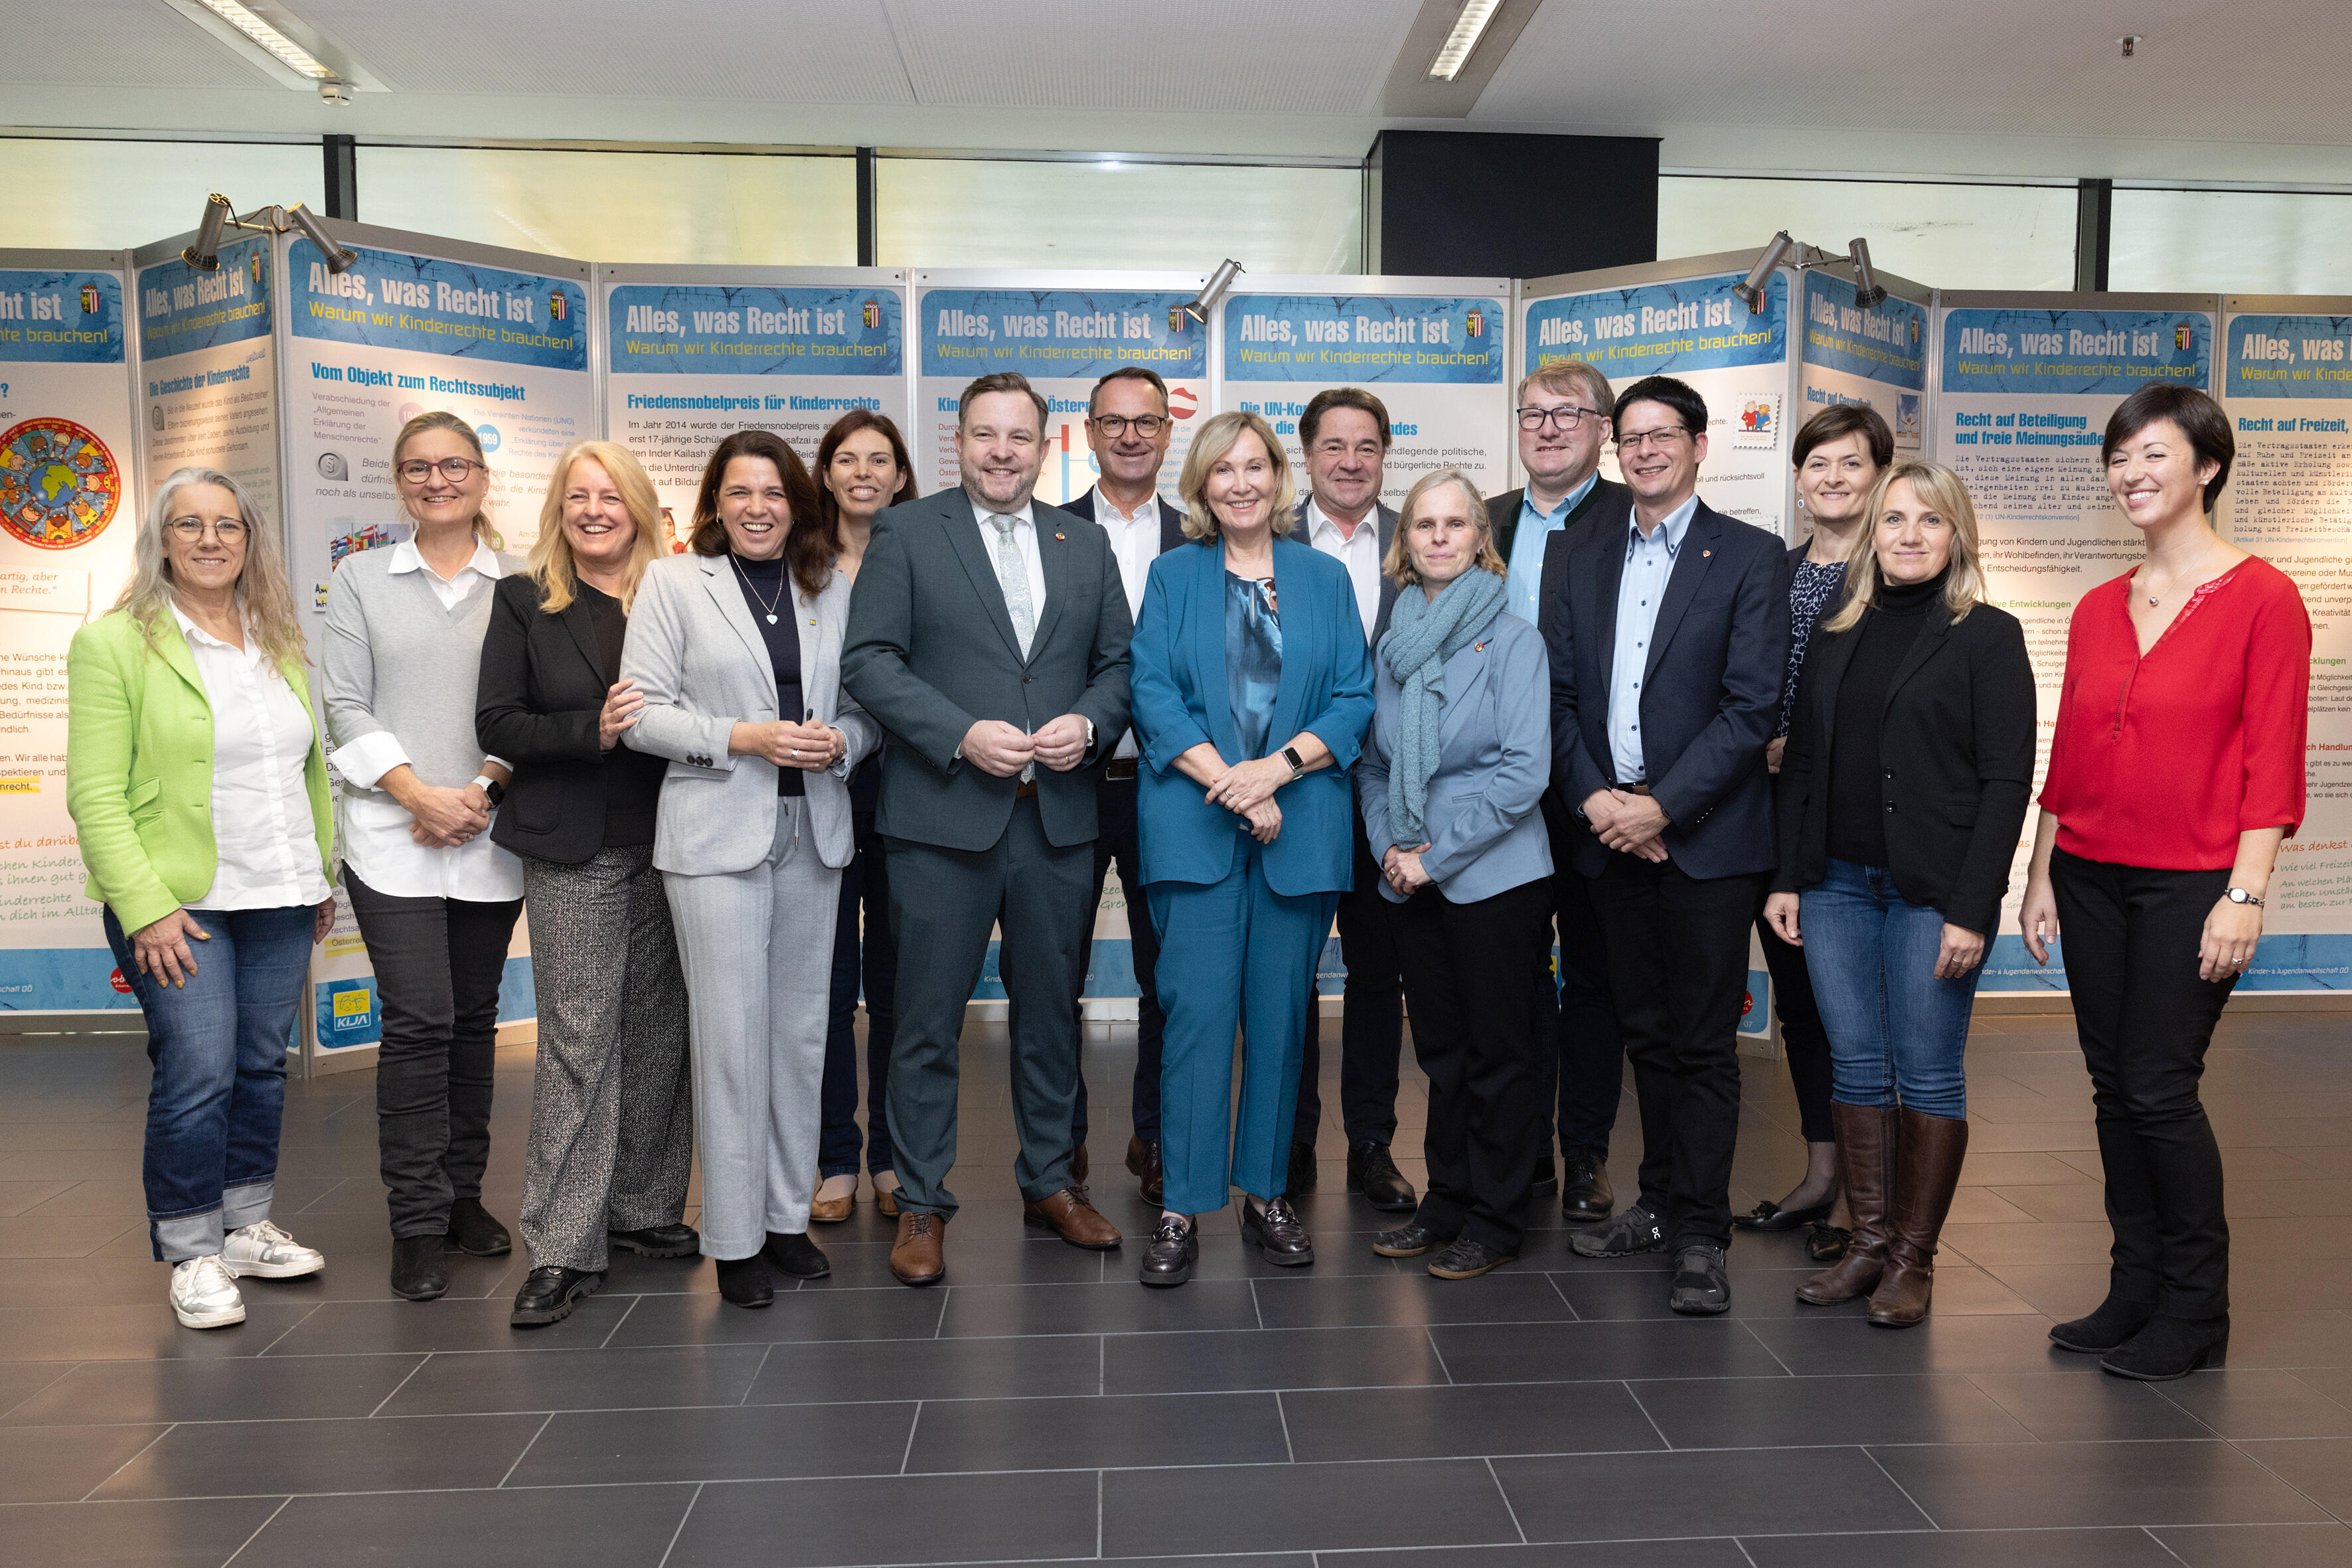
[1896,1032]
[219,1089]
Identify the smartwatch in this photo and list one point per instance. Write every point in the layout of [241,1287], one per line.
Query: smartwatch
[1297,767]
[492,791]
[2239,896]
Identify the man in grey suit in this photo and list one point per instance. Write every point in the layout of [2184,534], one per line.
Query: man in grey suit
[988,635]
[1346,435]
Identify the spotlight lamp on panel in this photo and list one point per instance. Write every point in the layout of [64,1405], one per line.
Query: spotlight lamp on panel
[220,216]
[1867,290]
[1752,290]
[1214,289]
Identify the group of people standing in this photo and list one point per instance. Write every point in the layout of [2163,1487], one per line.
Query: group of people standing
[732,785]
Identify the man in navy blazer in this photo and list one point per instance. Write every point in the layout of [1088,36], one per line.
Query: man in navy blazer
[1668,638]
[1128,429]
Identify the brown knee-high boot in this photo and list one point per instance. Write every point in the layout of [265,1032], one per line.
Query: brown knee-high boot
[1866,1140]
[1929,1170]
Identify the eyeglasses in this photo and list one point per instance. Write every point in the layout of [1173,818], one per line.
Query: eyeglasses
[1144,424]
[1568,417]
[416,470]
[188,530]
[1664,440]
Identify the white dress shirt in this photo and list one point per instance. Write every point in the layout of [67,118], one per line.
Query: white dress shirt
[377,843]
[267,843]
[1649,563]
[1361,554]
[1135,546]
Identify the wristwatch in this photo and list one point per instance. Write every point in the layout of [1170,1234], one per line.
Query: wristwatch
[1297,767]
[492,791]
[2239,896]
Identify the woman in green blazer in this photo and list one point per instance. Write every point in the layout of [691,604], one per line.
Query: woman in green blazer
[198,786]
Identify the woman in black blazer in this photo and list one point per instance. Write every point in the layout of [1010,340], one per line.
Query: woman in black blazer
[612,1131]
[1901,796]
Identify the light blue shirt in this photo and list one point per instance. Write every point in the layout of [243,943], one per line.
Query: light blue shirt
[1648,564]
[1535,528]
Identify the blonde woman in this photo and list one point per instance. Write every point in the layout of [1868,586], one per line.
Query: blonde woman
[1901,794]
[436,897]
[1252,692]
[612,1118]
[198,789]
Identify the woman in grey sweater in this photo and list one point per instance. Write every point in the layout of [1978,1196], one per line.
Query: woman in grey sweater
[436,901]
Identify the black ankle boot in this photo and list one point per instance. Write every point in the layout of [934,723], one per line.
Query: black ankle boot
[2169,1348]
[418,1272]
[744,1282]
[2108,1328]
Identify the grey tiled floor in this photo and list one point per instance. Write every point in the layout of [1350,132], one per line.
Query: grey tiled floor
[1043,1406]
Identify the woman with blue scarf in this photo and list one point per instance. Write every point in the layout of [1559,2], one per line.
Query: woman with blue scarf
[1252,690]
[1449,783]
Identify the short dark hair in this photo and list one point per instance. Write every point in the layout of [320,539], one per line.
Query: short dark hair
[812,537]
[1678,395]
[2199,418]
[1002,381]
[1332,397]
[842,430]
[1837,422]
[1142,373]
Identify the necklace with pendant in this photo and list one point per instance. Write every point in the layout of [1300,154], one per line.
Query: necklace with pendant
[768,606]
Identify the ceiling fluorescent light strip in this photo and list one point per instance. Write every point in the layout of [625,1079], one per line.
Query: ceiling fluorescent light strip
[294,56]
[1455,51]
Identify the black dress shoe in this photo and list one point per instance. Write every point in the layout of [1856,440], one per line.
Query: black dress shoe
[1826,1243]
[2110,1327]
[1585,1195]
[2169,1348]
[1303,1174]
[418,1271]
[1547,1174]
[1410,1239]
[796,1256]
[1467,1259]
[1701,1287]
[472,1229]
[1143,1163]
[1175,1248]
[659,1241]
[1371,1173]
[744,1282]
[1277,1233]
[1772,1218]
[548,1294]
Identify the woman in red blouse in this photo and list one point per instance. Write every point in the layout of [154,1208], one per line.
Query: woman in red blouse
[2176,771]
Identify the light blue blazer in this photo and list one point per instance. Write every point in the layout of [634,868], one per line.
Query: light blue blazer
[1177,672]
[1493,759]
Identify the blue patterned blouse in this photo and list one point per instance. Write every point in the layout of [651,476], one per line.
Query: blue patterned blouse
[1812,588]
[1253,660]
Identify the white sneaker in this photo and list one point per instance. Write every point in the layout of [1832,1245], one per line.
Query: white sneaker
[268,1253]
[204,1294]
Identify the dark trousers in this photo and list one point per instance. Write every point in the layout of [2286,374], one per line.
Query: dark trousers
[1678,965]
[1579,1055]
[2145,1019]
[875,959]
[438,966]
[1467,974]
[1804,1041]
[942,903]
[1371,1018]
[1114,806]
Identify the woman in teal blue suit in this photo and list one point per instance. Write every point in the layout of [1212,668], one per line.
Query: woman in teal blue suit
[1252,693]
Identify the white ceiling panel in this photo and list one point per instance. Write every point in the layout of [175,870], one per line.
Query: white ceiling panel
[1207,57]
[116,43]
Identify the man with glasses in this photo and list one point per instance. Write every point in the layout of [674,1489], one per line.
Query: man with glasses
[1346,434]
[1128,429]
[1564,419]
[1668,636]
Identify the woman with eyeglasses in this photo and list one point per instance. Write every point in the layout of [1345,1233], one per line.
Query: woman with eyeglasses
[437,900]
[198,790]
[862,467]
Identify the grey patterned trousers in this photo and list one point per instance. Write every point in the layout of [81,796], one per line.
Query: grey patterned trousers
[612,1128]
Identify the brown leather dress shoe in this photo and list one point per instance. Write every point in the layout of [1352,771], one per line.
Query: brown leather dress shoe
[1143,1162]
[831,1211]
[1068,1216]
[919,1255]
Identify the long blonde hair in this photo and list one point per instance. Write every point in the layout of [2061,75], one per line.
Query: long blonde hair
[550,559]
[1213,440]
[1941,489]
[262,595]
[1398,564]
[442,419]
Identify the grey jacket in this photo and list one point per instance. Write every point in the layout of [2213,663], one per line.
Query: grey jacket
[931,650]
[1494,763]
[696,653]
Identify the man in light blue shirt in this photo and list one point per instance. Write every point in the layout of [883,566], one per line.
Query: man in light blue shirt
[1564,419]
[1649,562]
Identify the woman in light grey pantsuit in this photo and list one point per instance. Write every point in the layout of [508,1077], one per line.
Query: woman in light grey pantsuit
[737,649]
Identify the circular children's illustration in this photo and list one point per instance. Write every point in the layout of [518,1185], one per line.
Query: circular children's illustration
[59,486]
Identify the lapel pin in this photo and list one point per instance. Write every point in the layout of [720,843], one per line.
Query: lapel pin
[1704,554]
[1057,536]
